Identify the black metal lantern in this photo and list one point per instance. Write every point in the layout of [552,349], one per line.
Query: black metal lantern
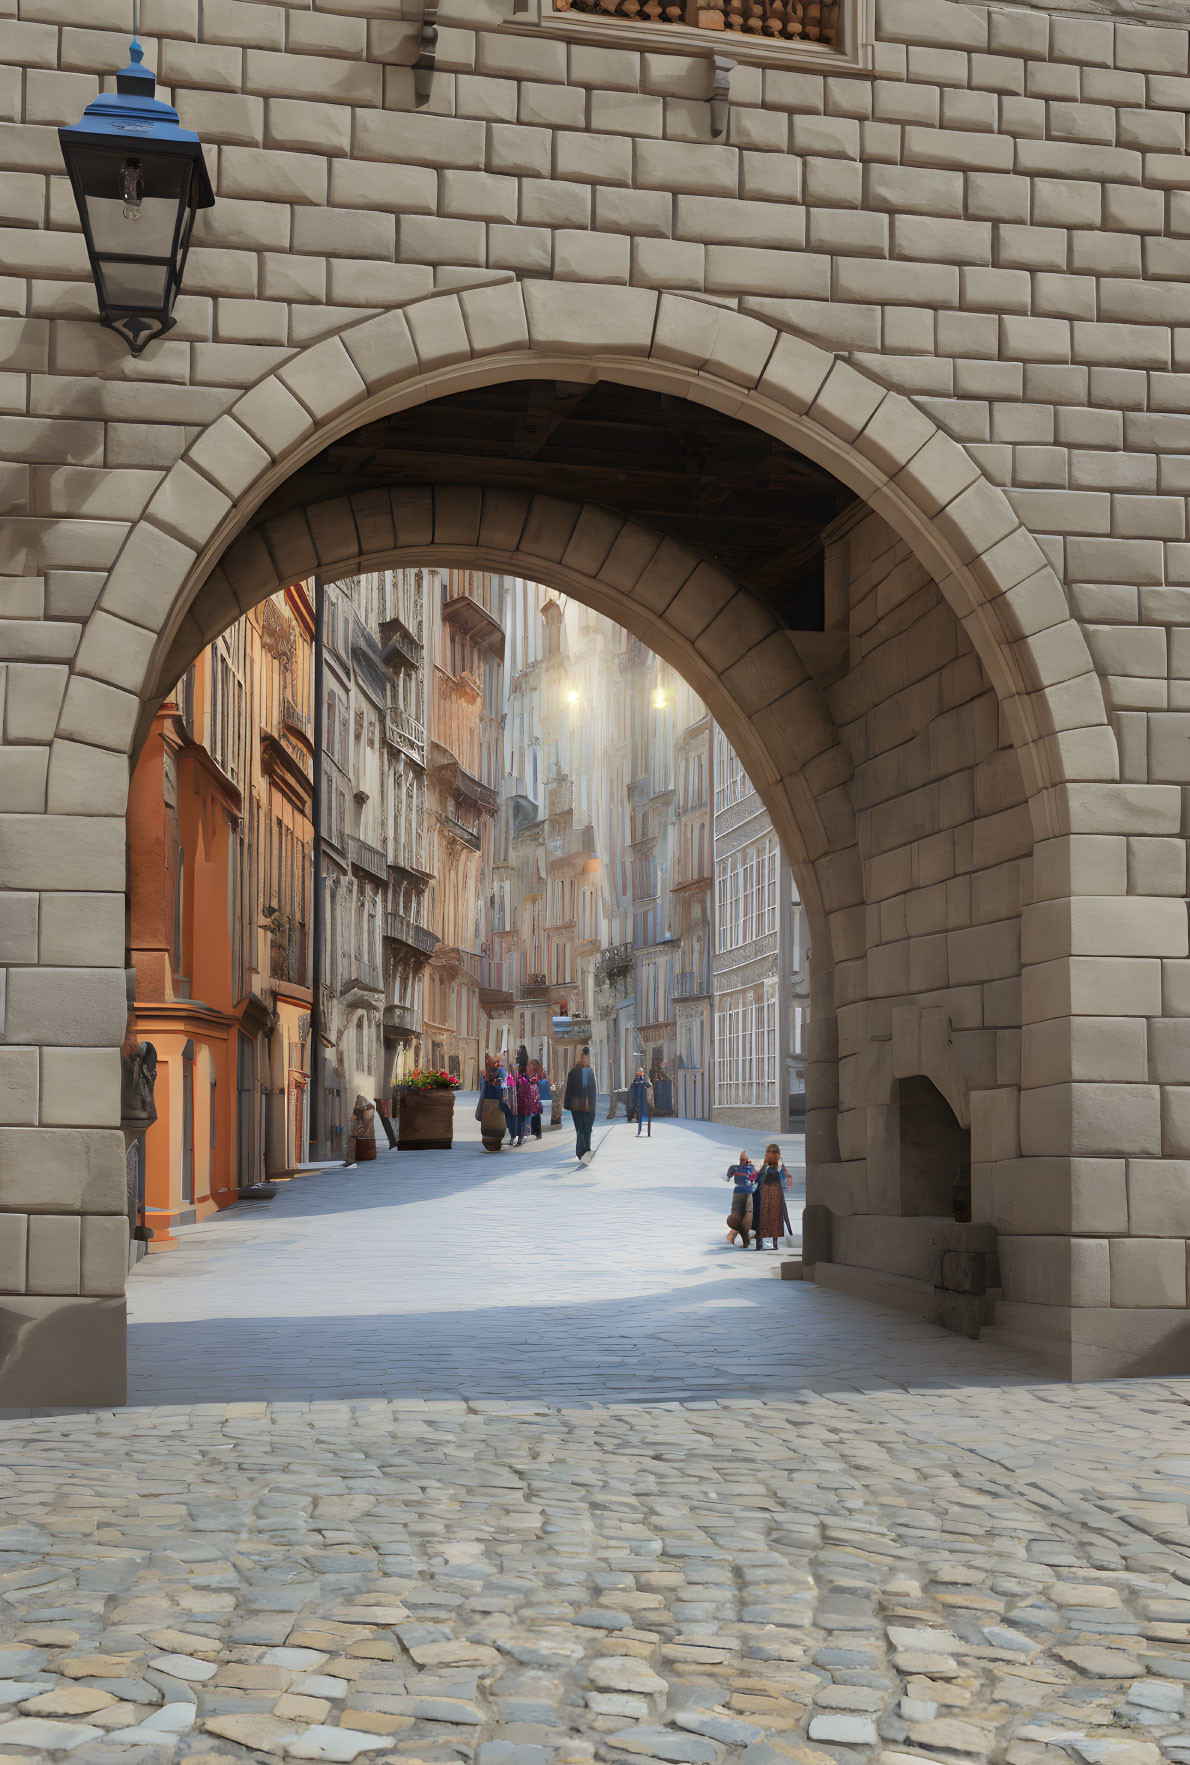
[139,179]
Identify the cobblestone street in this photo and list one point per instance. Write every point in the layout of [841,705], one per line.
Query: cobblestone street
[500,1458]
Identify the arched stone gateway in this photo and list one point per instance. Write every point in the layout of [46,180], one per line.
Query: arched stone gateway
[939,762]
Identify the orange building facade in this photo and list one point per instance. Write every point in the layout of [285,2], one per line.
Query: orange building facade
[219,903]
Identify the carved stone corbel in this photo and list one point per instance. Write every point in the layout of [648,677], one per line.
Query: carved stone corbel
[423,67]
[720,94]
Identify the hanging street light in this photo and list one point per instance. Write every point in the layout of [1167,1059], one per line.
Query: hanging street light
[139,180]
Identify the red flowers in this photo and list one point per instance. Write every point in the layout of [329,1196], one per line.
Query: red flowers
[429,1080]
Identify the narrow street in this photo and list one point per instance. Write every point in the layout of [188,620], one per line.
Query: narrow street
[497,1459]
[515,1276]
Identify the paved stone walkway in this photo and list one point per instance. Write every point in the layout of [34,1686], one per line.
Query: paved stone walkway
[913,1550]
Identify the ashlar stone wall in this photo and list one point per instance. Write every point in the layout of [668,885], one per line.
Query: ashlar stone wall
[952,264]
[929,984]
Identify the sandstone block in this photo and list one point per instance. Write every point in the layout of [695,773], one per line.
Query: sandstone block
[18,1108]
[581,256]
[555,204]
[53,1253]
[103,1253]
[80,1087]
[1148,1272]
[81,1007]
[1091,1120]
[100,715]
[715,220]
[571,321]
[1159,1197]
[14,1234]
[668,264]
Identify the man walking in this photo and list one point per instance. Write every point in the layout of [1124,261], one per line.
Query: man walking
[640,1102]
[580,1099]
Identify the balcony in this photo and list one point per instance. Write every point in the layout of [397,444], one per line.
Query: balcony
[295,721]
[536,986]
[406,733]
[401,1023]
[495,983]
[571,849]
[283,769]
[459,830]
[561,798]
[463,961]
[614,961]
[454,778]
[680,882]
[399,647]
[288,953]
[370,859]
[363,979]
[690,984]
[399,929]
[477,622]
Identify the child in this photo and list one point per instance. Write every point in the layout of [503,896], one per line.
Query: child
[739,1220]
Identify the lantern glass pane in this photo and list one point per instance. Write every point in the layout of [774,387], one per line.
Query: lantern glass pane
[114,231]
[133,199]
[136,285]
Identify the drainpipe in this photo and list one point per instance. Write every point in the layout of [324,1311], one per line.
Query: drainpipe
[316,918]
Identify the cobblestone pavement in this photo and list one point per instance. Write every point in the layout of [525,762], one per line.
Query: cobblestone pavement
[907,1548]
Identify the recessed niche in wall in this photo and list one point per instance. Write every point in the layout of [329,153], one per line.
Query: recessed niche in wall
[935,1153]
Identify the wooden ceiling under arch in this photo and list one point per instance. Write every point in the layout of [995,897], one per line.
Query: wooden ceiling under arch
[728,491]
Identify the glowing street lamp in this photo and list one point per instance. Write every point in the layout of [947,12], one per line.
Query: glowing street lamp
[138,179]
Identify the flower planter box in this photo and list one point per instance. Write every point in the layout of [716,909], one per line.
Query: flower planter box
[426,1121]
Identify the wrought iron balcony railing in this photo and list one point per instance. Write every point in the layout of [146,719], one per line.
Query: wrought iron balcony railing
[405,732]
[400,929]
[402,1020]
[367,858]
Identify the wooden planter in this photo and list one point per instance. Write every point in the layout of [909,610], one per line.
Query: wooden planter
[426,1121]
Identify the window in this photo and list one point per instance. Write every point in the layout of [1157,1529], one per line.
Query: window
[733,782]
[746,1050]
[746,895]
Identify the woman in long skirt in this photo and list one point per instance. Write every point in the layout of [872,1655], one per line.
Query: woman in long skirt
[771,1213]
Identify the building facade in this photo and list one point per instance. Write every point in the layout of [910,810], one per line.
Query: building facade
[465,770]
[602,898]
[219,915]
[376,942]
[760,962]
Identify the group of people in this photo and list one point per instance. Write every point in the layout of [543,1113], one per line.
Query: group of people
[758,1199]
[522,1091]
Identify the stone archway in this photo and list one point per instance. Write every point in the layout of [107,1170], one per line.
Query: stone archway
[196,560]
[989,568]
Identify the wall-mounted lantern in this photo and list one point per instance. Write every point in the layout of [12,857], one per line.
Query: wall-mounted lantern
[139,180]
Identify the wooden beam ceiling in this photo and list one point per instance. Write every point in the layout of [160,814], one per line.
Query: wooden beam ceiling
[728,491]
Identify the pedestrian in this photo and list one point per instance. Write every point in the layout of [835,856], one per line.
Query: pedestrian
[540,1078]
[490,1108]
[361,1132]
[527,1101]
[640,1102]
[507,1088]
[769,1209]
[580,1099]
[742,1177]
